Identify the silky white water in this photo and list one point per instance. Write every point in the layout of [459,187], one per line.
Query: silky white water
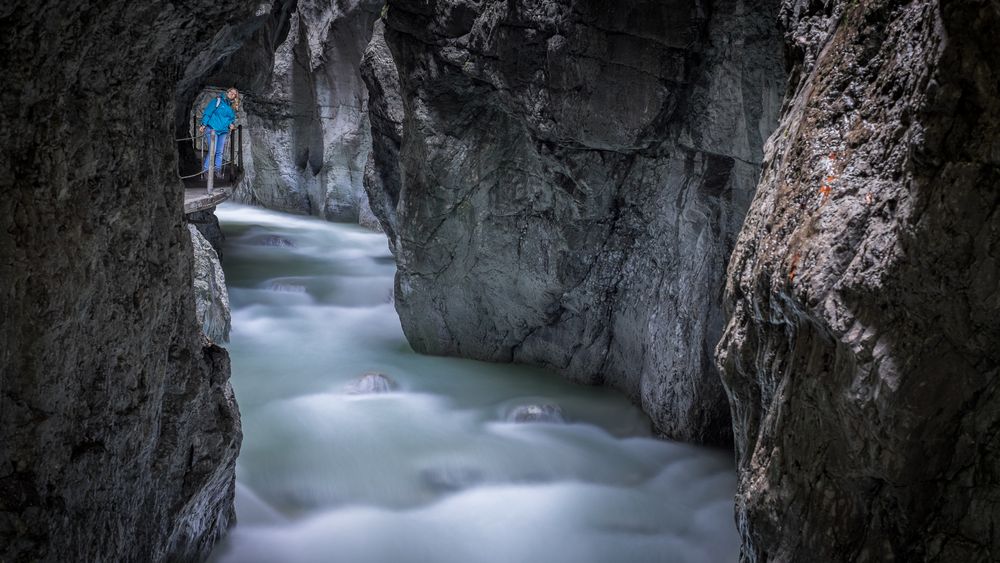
[434,471]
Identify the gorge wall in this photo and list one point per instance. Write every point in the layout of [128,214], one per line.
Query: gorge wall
[211,297]
[862,356]
[118,428]
[307,133]
[570,179]
[562,183]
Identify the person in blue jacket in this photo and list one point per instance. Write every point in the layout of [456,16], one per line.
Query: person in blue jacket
[219,118]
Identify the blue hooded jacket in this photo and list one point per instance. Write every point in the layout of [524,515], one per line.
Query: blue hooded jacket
[218,114]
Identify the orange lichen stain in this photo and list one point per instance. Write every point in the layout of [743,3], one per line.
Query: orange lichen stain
[826,188]
[793,267]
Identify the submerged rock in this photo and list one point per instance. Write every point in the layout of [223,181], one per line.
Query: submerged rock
[373,382]
[451,479]
[536,413]
[278,241]
[863,351]
[285,287]
[211,298]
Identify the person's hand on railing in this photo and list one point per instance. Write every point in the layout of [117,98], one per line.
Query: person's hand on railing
[201,129]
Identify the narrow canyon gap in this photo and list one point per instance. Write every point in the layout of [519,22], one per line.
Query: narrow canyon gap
[563,183]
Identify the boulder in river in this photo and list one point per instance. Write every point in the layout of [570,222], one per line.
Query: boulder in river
[544,412]
[372,382]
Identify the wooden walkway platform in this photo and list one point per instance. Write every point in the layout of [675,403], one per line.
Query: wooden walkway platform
[197,198]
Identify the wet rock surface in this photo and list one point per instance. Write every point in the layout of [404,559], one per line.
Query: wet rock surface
[385,113]
[118,427]
[544,412]
[373,382]
[861,357]
[208,225]
[276,241]
[211,298]
[308,127]
[569,182]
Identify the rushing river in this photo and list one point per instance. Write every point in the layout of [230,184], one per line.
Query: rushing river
[437,470]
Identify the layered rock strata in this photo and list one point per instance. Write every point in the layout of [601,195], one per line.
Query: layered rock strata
[118,428]
[569,182]
[308,135]
[862,356]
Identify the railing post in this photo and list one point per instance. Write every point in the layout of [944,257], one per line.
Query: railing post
[232,157]
[211,163]
[194,130]
[239,134]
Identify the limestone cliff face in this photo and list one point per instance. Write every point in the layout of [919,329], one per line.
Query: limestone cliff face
[211,298]
[570,179]
[307,128]
[862,355]
[118,429]
[385,112]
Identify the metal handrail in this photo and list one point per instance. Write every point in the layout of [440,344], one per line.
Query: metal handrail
[235,148]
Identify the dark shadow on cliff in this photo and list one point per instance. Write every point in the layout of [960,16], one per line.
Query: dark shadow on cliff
[118,428]
[861,356]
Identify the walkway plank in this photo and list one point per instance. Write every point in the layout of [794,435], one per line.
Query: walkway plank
[198,199]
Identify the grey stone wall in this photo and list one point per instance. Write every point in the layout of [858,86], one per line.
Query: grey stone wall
[385,112]
[862,356]
[211,297]
[308,137]
[571,177]
[118,427]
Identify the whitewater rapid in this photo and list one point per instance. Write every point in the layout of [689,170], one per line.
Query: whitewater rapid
[436,470]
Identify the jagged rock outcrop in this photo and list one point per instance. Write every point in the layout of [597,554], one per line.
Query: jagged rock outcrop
[308,135]
[207,223]
[118,428]
[211,298]
[571,176]
[385,113]
[862,355]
